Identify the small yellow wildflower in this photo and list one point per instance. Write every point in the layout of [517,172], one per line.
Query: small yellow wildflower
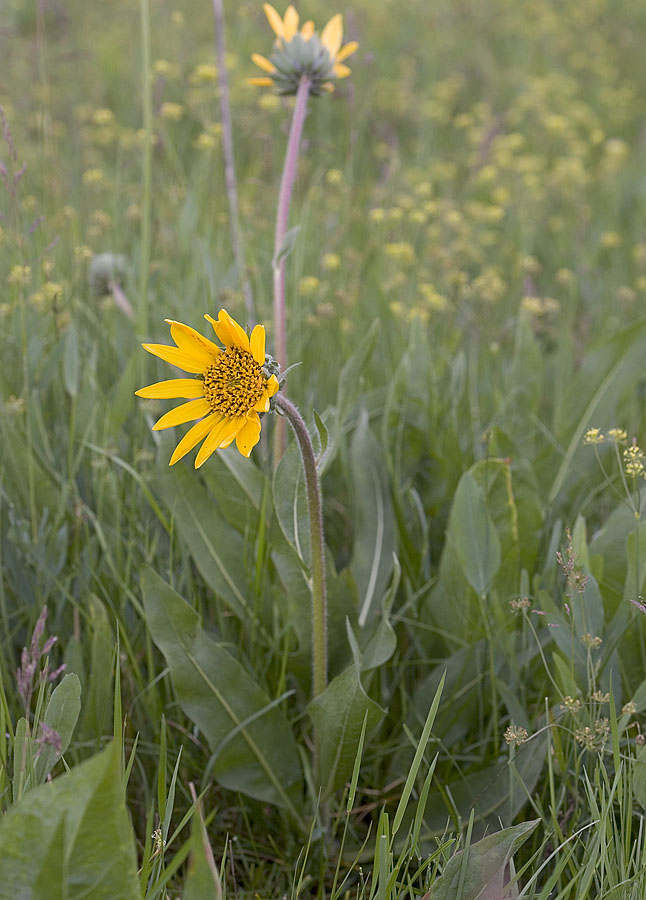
[93,176]
[331,262]
[401,252]
[308,285]
[102,117]
[204,141]
[610,239]
[232,387]
[172,112]
[618,435]
[633,460]
[205,73]
[593,436]
[19,275]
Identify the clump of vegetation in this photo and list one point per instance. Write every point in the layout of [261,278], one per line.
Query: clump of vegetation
[389,639]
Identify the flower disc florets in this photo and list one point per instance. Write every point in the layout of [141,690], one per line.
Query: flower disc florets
[233,384]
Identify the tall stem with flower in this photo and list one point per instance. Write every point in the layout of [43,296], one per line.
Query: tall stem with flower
[301,65]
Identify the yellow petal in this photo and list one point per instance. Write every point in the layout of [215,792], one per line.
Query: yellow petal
[248,436]
[228,330]
[257,344]
[194,409]
[190,362]
[173,388]
[332,35]
[274,19]
[227,428]
[347,50]
[193,436]
[262,62]
[272,385]
[342,71]
[307,30]
[262,405]
[290,23]
[260,82]
[190,340]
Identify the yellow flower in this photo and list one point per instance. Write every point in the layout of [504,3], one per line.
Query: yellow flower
[299,53]
[231,389]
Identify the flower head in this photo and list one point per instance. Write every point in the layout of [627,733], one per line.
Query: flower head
[231,389]
[302,53]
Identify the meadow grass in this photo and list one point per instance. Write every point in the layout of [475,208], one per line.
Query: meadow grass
[465,302]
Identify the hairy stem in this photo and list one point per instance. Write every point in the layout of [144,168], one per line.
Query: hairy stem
[317,544]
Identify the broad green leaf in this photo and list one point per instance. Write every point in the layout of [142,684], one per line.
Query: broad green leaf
[234,476]
[610,369]
[374,526]
[61,715]
[494,477]
[71,838]
[290,501]
[251,740]
[472,535]
[486,866]
[338,715]
[217,549]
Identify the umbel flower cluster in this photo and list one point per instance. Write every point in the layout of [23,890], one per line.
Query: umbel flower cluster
[303,54]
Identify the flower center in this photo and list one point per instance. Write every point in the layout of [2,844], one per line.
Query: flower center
[233,384]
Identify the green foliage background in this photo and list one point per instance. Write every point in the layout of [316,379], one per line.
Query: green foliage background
[466,299]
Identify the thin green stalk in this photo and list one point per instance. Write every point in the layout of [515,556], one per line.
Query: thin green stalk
[146,200]
[317,544]
[237,244]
